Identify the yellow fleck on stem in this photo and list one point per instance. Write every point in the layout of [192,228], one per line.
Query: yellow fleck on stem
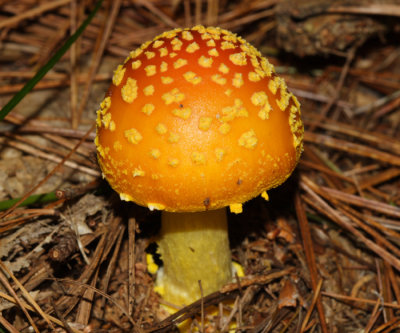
[193,247]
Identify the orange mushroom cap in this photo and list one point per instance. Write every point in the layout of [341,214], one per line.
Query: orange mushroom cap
[197,119]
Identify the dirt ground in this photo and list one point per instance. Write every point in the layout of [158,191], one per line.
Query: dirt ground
[322,255]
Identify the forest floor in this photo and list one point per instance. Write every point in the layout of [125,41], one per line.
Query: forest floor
[322,255]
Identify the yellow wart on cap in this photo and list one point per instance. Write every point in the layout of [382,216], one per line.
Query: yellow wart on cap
[163,67]
[213,52]
[224,128]
[155,206]
[135,53]
[267,67]
[167,79]
[161,128]
[248,139]
[238,59]
[158,43]
[192,47]
[125,197]
[237,81]
[192,77]
[148,109]
[150,54]
[149,90]
[173,96]
[173,162]
[236,208]
[150,70]
[274,84]
[265,195]
[173,138]
[138,172]
[180,63]
[176,44]
[205,36]
[198,158]
[260,98]
[226,45]
[136,64]
[106,120]
[254,77]
[183,113]
[163,51]
[211,43]
[118,75]
[235,111]
[219,154]
[228,92]
[224,69]
[283,102]
[296,127]
[205,123]
[129,90]
[205,62]
[229,36]
[155,153]
[187,35]
[217,78]
[117,146]
[133,136]
[105,105]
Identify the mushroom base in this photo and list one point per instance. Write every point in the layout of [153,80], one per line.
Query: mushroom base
[194,247]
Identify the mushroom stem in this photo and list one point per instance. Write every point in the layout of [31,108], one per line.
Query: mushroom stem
[193,247]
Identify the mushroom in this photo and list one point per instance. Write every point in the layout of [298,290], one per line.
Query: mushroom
[196,120]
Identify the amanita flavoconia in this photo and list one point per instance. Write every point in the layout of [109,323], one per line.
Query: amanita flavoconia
[194,121]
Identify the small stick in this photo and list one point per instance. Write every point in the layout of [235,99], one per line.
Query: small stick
[7,325]
[6,284]
[51,173]
[73,67]
[33,12]
[352,148]
[202,307]
[101,42]
[360,300]
[310,257]
[61,317]
[314,301]
[131,264]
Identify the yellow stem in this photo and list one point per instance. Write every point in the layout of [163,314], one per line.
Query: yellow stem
[193,247]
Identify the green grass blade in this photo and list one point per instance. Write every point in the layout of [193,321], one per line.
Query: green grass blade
[33,199]
[42,72]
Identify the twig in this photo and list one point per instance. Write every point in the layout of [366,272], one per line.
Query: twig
[360,300]
[33,12]
[111,266]
[102,40]
[5,283]
[352,148]
[311,262]
[369,9]
[201,307]
[30,308]
[314,301]
[73,97]
[61,317]
[55,169]
[339,85]
[7,325]
[53,158]
[131,264]
[327,210]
